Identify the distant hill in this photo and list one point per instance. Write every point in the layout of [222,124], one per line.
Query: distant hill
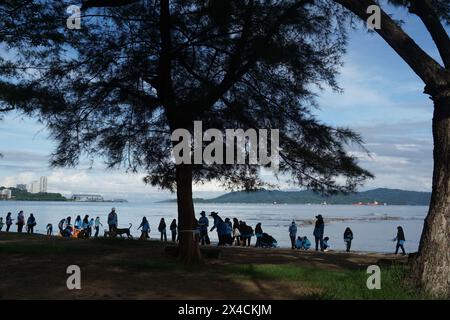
[21,195]
[381,195]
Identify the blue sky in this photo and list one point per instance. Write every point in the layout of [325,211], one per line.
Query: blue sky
[382,99]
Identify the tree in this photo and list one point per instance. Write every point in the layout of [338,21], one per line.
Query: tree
[432,266]
[138,70]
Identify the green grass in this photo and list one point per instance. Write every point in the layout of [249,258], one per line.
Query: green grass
[348,284]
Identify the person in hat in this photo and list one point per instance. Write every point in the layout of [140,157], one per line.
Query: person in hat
[319,229]
[203,224]
[293,234]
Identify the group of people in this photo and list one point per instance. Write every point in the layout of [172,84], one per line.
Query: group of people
[235,232]
[29,224]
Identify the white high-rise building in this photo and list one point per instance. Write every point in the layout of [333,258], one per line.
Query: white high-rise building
[34,187]
[43,185]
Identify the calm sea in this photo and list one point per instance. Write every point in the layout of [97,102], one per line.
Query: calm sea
[373,227]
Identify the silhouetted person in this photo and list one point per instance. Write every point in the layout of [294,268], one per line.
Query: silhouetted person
[162,229]
[31,222]
[400,238]
[173,229]
[49,229]
[112,220]
[293,234]
[258,234]
[203,224]
[61,225]
[1,223]
[145,229]
[221,228]
[348,237]
[9,221]
[236,232]
[20,221]
[319,229]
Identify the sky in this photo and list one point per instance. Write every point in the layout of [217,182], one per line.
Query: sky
[382,99]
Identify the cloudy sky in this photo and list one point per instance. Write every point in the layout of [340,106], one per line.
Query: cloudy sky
[382,100]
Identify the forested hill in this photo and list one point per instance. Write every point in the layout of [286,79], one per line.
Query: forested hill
[382,195]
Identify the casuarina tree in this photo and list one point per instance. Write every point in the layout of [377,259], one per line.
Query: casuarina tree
[136,71]
[432,265]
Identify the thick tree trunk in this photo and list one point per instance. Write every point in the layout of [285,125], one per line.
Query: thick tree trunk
[432,265]
[188,246]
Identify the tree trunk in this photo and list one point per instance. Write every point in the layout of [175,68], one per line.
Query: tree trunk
[432,265]
[189,250]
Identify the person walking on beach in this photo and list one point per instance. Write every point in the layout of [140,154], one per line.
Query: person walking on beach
[258,234]
[400,238]
[162,229]
[9,221]
[293,234]
[78,223]
[31,222]
[203,224]
[348,237]
[97,225]
[145,229]
[20,221]
[319,229]
[49,228]
[236,232]
[112,220]
[173,229]
[1,223]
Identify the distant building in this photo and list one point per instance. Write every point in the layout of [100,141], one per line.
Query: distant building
[22,187]
[43,185]
[5,194]
[87,197]
[34,187]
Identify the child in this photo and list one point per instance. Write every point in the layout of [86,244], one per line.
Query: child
[1,223]
[49,229]
[145,229]
[400,238]
[306,244]
[299,242]
[326,246]
[348,237]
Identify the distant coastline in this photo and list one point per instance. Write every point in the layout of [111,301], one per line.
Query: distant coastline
[375,197]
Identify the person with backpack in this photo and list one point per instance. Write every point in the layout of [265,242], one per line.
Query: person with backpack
[319,229]
[112,220]
[173,229]
[203,224]
[31,223]
[293,234]
[162,229]
[8,221]
[348,237]
[400,238]
[145,229]
[20,221]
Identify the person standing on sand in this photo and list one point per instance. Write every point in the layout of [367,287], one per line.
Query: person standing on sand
[145,229]
[1,223]
[348,237]
[91,225]
[203,223]
[221,227]
[236,232]
[9,221]
[20,221]
[293,234]
[173,229]
[162,229]
[31,222]
[97,225]
[319,229]
[400,238]
[112,220]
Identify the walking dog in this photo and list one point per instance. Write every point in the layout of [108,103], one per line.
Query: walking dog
[119,232]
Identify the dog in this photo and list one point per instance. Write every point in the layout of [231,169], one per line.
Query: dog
[119,232]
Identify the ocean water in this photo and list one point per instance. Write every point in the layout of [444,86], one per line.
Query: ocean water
[374,227]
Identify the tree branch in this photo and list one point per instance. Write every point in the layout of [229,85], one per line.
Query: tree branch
[86,4]
[425,11]
[432,74]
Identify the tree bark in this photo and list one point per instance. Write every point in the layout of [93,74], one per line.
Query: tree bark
[189,250]
[431,268]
